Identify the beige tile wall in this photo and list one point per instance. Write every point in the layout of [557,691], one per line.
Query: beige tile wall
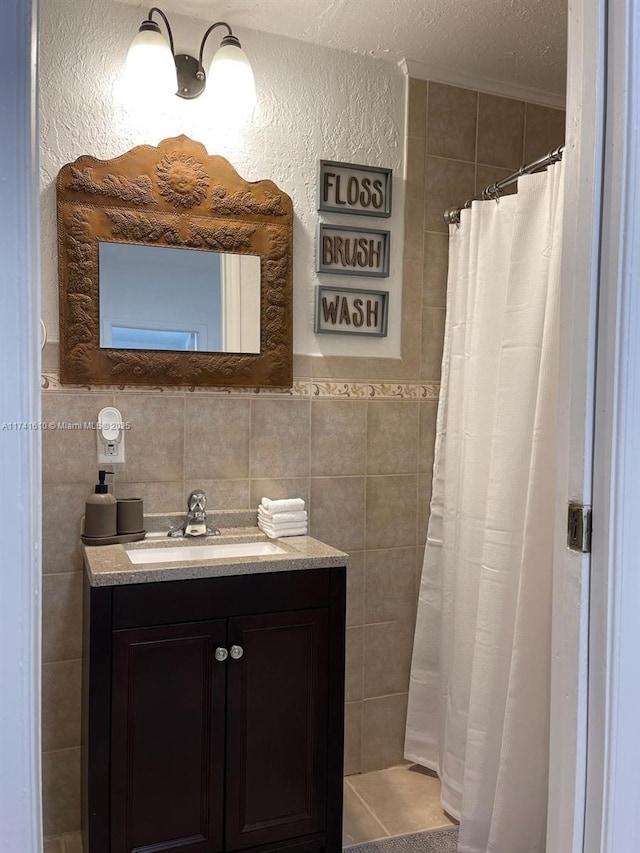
[363,465]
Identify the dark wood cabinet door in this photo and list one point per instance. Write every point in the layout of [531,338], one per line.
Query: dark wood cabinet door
[167,739]
[277,727]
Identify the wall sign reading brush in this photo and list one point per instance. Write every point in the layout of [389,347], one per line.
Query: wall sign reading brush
[352,251]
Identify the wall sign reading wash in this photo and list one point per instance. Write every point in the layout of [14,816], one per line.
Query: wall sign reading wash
[349,188]
[352,251]
[347,311]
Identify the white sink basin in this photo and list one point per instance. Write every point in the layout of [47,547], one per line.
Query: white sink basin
[193,553]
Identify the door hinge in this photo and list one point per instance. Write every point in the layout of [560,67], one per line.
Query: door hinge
[579,528]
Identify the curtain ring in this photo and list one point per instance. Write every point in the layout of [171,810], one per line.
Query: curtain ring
[491,193]
[452,216]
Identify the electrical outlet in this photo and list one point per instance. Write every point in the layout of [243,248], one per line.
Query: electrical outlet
[110,435]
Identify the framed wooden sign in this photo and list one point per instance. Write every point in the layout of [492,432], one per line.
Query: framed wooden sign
[351,311]
[347,250]
[350,188]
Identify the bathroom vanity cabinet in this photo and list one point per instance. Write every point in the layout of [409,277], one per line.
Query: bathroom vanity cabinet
[213,714]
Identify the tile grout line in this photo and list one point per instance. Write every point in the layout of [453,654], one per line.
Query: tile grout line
[364,576]
[184,449]
[418,436]
[367,806]
[250,460]
[475,156]
[382,696]
[62,749]
[423,230]
[451,159]
[309,464]
[361,713]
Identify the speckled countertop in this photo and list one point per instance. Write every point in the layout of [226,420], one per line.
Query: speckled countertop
[109,565]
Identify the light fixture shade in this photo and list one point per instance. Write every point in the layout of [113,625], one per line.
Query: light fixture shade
[150,68]
[231,82]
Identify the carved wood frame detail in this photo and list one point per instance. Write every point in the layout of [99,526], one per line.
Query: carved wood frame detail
[173,195]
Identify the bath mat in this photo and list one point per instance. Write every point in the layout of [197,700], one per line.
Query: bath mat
[430,841]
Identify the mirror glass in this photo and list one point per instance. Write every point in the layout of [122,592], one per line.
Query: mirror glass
[162,298]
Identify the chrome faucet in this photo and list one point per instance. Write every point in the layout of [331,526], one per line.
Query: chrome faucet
[195,523]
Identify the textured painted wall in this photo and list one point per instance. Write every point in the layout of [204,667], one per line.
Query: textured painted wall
[313,103]
[508,41]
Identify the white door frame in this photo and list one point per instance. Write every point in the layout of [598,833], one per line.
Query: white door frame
[580,260]
[595,737]
[20,478]
[613,772]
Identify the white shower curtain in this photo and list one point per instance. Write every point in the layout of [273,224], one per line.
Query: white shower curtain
[479,693]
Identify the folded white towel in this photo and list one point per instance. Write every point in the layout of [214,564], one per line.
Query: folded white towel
[285,531]
[264,525]
[282,517]
[287,505]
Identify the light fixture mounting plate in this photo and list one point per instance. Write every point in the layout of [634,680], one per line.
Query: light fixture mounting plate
[190,84]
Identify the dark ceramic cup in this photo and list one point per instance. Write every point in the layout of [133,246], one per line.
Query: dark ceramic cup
[130,516]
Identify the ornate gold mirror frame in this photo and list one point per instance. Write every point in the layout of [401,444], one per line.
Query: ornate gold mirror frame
[175,195]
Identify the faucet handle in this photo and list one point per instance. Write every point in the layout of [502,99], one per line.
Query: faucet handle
[197,501]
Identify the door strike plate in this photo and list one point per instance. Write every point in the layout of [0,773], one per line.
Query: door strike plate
[579,528]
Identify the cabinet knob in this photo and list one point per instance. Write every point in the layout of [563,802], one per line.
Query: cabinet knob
[222,653]
[236,652]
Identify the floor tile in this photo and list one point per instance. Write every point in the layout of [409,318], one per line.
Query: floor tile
[403,799]
[358,823]
[73,842]
[54,844]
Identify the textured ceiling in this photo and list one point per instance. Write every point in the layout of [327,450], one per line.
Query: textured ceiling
[515,42]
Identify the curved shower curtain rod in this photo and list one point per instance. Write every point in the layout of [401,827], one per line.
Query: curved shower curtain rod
[452,214]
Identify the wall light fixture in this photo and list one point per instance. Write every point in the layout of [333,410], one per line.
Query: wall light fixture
[154,67]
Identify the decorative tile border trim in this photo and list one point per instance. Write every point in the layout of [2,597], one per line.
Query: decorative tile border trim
[375,390]
[302,388]
[50,382]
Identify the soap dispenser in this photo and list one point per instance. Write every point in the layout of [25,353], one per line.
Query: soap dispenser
[100,512]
